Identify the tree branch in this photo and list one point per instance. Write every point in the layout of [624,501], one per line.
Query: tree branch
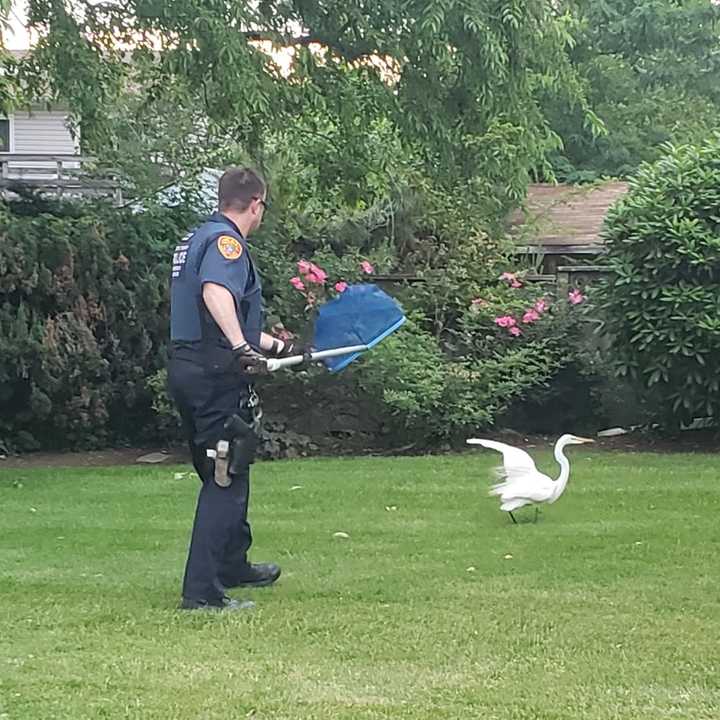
[307,40]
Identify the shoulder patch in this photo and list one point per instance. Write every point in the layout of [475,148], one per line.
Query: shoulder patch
[230,248]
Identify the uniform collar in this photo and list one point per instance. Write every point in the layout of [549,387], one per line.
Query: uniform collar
[219,217]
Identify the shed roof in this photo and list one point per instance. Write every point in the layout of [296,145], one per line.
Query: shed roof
[565,218]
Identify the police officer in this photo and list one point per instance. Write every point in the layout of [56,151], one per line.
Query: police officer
[217,349]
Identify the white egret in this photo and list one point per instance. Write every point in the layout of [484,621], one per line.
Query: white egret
[522,483]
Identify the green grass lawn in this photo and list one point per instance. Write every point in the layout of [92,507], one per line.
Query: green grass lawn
[436,606]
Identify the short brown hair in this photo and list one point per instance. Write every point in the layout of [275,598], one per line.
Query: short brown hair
[237,188]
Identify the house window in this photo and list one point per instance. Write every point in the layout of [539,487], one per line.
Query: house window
[4,135]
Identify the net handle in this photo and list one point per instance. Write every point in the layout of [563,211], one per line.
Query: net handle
[274,364]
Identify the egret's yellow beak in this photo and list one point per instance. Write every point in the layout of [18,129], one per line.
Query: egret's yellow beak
[585,440]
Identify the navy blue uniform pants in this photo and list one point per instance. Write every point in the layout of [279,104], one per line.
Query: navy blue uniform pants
[221,535]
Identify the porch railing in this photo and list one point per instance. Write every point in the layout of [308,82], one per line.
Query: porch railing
[61,175]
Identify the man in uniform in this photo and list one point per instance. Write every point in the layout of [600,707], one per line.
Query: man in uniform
[218,347]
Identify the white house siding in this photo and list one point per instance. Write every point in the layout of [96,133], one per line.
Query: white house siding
[40,132]
[43,132]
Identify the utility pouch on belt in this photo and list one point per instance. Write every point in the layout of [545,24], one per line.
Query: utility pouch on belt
[221,457]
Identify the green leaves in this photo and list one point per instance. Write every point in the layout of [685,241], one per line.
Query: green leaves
[662,302]
[649,69]
[188,83]
[83,318]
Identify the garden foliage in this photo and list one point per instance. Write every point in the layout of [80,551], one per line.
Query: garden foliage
[83,321]
[662,301]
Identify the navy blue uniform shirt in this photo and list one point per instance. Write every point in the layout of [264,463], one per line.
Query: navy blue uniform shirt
[215,252]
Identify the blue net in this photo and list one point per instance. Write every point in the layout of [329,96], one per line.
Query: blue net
[362,315]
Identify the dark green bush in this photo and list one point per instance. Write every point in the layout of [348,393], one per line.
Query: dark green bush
[662,301]
[83,321]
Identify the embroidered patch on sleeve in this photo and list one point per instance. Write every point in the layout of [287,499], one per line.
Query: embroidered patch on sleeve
[230,248]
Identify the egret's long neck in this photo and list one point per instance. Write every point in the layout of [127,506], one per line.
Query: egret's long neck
[561,482]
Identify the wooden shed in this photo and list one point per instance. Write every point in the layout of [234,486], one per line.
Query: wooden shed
[562,225]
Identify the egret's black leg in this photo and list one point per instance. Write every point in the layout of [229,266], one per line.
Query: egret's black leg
[512,516]
[537,512]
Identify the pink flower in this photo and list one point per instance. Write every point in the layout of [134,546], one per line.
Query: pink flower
[505,321]
[575,297]
[318,271]
[530,316]
[315,274]
[297,283]
[511,279]
[515,331]
[366,267]
[479,302]
[341,286]
[541,305]
[311,272]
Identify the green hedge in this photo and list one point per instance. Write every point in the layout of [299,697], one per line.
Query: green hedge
[83,321]
[662,302]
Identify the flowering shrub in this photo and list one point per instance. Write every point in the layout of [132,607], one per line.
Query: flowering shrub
[312,282]
[517,311]
[502,348]
[430,397]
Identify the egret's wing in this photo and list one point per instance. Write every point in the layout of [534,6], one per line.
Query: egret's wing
[534,487]
[517,463]
[521,479]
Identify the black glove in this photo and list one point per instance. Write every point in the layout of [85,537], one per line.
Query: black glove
[249,362]
[287,348]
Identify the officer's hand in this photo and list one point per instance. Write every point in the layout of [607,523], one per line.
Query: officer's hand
[249,362]
[287,348]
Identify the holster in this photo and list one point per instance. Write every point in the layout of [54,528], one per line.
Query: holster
[235,451]
[243,444]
